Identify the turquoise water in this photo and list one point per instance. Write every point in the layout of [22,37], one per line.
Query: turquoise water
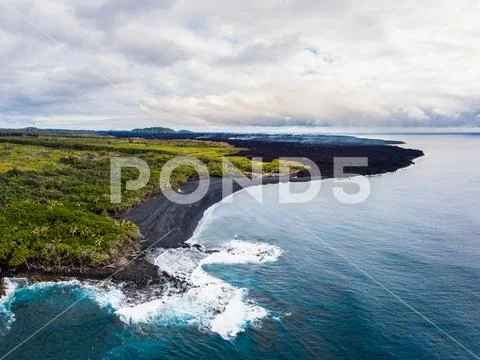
[397,276]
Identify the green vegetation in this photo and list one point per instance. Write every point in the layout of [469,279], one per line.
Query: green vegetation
[55,207]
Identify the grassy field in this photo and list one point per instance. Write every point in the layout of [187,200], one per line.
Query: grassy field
[55,207]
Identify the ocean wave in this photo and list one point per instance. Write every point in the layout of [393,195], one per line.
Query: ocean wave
[204,301]
[7,317]
[209,303]
[106,295]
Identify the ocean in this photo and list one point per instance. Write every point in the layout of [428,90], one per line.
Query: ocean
[394,277]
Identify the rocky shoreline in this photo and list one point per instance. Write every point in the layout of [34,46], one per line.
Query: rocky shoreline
[159,216]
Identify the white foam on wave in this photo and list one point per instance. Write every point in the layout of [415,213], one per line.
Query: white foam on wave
[9,286]
[238,313]
[104,294]
[107,296]
[7,317]
[209,303]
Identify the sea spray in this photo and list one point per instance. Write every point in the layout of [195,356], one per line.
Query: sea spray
[106,295]
[7,317]
[209,303]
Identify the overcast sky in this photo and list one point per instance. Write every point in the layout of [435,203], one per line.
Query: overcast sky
[208,64]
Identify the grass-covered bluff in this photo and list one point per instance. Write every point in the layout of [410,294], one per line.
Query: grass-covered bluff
[55,208]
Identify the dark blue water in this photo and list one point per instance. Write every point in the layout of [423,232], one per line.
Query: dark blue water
[397,276]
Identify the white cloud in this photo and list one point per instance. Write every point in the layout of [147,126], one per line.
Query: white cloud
[213,63]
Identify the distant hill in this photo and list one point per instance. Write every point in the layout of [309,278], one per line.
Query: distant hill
[153,130]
